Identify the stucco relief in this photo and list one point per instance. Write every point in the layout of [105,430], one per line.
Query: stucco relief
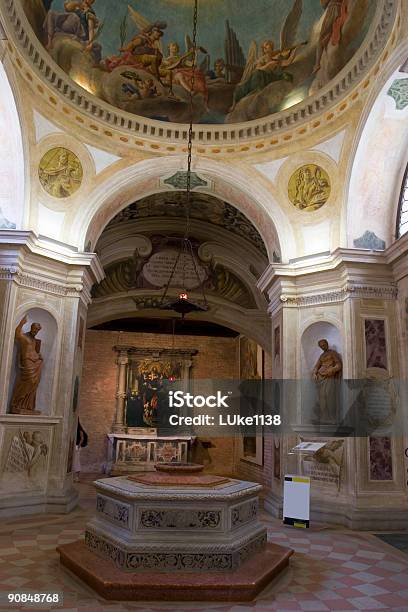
[60,172]
[309,187]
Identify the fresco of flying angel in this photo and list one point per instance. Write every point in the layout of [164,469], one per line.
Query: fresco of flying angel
[144,50]
[271,64]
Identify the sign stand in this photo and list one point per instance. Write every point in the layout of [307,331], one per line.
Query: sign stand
[296,490]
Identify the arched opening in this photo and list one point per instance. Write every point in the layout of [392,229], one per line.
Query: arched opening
[219,179]
[127,323]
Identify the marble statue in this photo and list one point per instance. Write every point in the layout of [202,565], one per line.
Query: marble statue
[30,366]
[326,373]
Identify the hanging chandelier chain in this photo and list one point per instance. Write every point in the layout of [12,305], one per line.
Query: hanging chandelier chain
[190,128]
[183,305]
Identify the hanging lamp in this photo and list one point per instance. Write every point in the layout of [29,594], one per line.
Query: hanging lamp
[183,304]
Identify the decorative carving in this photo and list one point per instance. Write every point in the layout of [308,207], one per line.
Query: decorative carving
[115,511]
[27,454]
[251,548]
[179,180]
[399,91]
[309,187]
[180,561]
[105,548]
[180,519]
[219,560]
[369,240]
[60,172]
[244,513]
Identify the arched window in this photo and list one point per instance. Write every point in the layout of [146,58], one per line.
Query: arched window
[402,217]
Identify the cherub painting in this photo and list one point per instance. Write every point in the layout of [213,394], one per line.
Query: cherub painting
[244,65]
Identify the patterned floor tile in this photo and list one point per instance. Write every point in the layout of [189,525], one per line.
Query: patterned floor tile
[332,569]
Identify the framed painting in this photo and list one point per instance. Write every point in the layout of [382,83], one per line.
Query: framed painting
[251,368]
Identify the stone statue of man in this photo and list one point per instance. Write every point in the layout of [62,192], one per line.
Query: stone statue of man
[30,366]
[326,373]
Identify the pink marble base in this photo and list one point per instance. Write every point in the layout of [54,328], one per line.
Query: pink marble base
[111,583]
[164,479]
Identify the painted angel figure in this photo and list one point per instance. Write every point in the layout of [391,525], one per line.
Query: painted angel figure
[144,50]
[270,65]
[182,69]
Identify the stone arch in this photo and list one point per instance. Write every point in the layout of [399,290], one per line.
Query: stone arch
[377,163]
[12,202]
[233,185]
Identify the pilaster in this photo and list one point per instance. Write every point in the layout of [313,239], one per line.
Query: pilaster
[340,296]
[49,283]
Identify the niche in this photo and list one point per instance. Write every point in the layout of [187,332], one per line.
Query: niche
[310,353]
[48,337]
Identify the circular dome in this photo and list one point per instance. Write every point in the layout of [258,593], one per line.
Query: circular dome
[253,59]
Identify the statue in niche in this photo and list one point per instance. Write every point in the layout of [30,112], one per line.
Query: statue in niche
[30,366]
[327,373]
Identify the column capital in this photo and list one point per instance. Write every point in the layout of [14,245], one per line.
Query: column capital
[47,266]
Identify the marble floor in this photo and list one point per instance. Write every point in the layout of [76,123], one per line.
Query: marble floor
[332,569]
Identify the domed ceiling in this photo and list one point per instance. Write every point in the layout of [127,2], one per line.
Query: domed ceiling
[253,58]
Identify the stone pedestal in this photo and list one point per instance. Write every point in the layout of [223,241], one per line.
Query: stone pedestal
[154,531]
[211,526]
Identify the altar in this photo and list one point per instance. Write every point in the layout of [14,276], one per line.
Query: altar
[144,377]
[136,452]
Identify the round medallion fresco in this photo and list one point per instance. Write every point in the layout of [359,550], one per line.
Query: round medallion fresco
[60,172]
[309,187]
[251,59]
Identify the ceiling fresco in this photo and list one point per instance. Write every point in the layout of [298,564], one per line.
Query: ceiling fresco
[203,207]
[252,58]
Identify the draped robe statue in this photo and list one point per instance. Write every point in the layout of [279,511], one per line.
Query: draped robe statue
[30,366]
[327,373]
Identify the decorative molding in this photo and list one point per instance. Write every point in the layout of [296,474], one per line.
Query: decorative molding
[156,353]
[11,273]
[179,180]
[7,273]
[350,291]
[369,240]
[24,280]
[399,91]
[36,56]
[222,493]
